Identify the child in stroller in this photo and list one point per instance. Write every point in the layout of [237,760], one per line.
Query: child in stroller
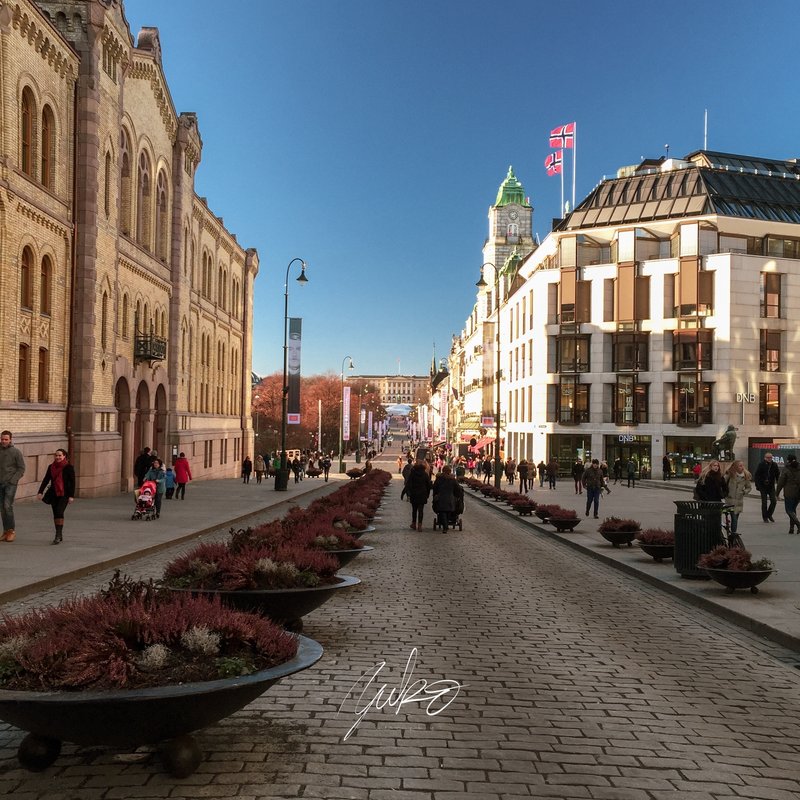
[145,502]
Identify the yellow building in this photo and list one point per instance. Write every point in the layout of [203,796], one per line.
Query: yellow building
[126,303]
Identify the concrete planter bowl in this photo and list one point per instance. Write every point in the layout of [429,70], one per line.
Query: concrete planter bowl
[618,538]
[284,606]
[658,551]
[359,534]
[346,556]
[129,718]
[733,579]
[564,525]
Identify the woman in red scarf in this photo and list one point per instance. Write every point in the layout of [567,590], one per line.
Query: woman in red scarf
[61,477]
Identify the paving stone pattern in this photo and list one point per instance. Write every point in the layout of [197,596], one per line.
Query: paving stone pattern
[577,681]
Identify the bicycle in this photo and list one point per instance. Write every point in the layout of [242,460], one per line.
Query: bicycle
[731,538]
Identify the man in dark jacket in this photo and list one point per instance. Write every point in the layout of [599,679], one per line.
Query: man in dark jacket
[789,484]
[418,488]
[447,494]
[766,477]
[577,475]
[141,465]
[594,482]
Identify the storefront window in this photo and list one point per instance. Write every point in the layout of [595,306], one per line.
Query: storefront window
[769,404]
[630,401]
[573,353]
[623,447]
[573,402]
[692,349]
[685,452]
[630,352]
[691,401]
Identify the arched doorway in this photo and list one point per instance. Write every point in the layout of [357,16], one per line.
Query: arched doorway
[122,402]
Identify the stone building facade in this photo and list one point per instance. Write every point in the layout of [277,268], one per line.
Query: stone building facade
[129,301]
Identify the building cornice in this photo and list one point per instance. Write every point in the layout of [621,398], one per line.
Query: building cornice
[144,68]
[45,42]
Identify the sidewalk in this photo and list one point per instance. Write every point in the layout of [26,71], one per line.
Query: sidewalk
[773,613]
[99,532]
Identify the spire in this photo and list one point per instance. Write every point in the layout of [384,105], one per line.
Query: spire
[511,191]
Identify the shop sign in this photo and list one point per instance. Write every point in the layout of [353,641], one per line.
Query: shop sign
[487,422]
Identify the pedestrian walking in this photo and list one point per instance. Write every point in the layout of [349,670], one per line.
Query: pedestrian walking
[157,474]
[552,473]
[711,483]
[183,474]
[766,478]
[141,465]
[296,467]
[789,484]
[446,495]
[418,488]
[577,475]
[247,468]
[399,464]
[541,468]
[604,470]
[592,479]
[57,489]
[12,468]
[487,470]
[617,470]
[523,470]
[666,468]
[260,467]
[737,479]
[631,471]
[325,462]
[510,470]
[169,483]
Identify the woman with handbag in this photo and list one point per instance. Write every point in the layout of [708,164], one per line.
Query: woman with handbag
[61,492]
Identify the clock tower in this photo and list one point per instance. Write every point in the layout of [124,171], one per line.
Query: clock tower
[510,223]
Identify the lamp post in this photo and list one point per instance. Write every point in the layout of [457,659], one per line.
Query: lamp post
[282,475]
[481,284]
[341,413]
[257,397]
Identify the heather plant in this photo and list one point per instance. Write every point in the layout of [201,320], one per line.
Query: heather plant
[733,558]
[612,524]
[134,635]
[563,513]
[286,565]
[656,536]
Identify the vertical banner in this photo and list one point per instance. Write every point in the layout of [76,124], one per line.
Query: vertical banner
[293,371]
[369,426]
[346,413]
[443,415]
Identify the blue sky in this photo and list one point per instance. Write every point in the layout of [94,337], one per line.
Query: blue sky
[369,137]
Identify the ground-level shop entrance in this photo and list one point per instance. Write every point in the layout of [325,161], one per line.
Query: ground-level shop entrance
[627,446]
[566,447]
[686,451]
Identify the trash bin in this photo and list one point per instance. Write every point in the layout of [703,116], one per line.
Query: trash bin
[698,529]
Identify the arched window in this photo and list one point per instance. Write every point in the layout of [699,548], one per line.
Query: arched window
[221,287]
[24,374]
[146,320]
[138,321]
[27,115]
[44,376]
[125,315]
[162,224]
[107,186]
[48,148]
[45,286]
[143,210]
[183,349]
[26,278]
[104,321]
[125,184]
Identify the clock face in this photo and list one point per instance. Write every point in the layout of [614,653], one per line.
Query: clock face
[513,215]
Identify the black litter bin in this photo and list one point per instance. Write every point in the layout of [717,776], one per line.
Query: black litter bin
[698,529]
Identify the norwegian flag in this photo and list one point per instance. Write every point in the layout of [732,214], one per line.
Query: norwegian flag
[563,136]
[553,163]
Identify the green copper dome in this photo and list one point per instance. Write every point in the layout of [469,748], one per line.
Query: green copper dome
[510,191]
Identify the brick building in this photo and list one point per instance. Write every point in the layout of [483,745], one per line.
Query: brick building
[127,304]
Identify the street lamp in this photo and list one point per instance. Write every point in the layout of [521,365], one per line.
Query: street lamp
[282,475]
[481,284]
[341,414]
[257,397]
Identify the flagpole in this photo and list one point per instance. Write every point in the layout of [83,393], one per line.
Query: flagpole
[574,156]
[561,214]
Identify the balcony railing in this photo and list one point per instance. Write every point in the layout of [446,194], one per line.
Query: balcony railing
[149,347]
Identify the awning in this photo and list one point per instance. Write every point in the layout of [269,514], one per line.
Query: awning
[481,443]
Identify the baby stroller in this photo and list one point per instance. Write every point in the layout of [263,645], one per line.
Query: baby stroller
[145,502]
[454,518]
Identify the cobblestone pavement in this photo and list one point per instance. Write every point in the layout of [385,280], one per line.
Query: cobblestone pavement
[576,681]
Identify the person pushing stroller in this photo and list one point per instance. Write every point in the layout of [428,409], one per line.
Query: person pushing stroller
[448,499]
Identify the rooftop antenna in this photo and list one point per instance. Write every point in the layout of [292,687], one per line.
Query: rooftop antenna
[705,129]
[666,147]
